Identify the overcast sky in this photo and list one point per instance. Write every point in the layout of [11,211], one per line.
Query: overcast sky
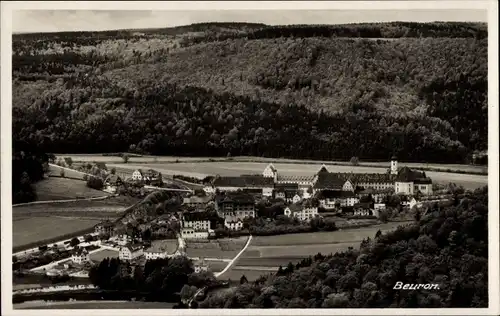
[80,20]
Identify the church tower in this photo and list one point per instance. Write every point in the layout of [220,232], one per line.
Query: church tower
[394,165]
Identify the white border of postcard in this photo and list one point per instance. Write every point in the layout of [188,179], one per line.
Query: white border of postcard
[491,6]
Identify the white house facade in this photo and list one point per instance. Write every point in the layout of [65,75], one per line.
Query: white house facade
[131,252]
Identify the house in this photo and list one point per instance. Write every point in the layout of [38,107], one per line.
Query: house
[376,195]
[410,182]
[209,189]
[153,255]
[333,199]
[303,211]
[192,233]
[286,191]
[196,220]
[365,209]
[233,223]
[123,239]
[131,251]
[236,204]
[80,255]
[105,227]
[379,206]
[150,176]
[112,182]
[200,266]
[256,183]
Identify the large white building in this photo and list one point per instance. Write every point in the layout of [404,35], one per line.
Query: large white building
[80,255]
[131,252]
[303,211]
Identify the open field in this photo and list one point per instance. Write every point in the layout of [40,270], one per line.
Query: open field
[56,172]
[40,222]
[235,274]
[111,207]
[226,248]
[216,266]
[174,159]
[32,229]
[339,236]
[64,189]
[203,169]
[93,305]
[211,253]
[103,254]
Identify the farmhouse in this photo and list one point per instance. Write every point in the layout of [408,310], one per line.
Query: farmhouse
[131,251]
[112,182]
[257,183]
[303,211]
[365,209]
[233,223]
[105,227]
[80,255]
[149,175]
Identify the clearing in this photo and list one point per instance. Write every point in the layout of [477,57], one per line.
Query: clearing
[164,245]
[103,254]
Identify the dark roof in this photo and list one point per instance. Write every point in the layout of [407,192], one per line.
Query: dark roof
[323,169]
[296,207]
[80,251]
[331,194]
[197,216]
[134,247]
[364,205]
[243,181]
[236,197]
[295,178]
[286,187]
[394,157]
[406,174]
[272,167]
[422,181]
[113,179]
[335,181]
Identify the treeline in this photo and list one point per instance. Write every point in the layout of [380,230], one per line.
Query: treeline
[447,247]
[166,119]
[158,280]
[29,165]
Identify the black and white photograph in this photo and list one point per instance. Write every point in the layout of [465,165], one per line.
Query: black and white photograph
[287,157]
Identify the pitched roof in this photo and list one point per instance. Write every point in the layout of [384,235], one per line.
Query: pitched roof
[332,194]
[296,207]
[196,216]
[335,181]
[113,179]
[134,247]
[295,178]
[329,181]
[232,219]
[322,169]
[243,181]
[272,167]
[236,197]
[364,205]
[406,174]
[80,251]
[286,187]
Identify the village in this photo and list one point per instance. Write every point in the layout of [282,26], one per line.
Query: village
[223,207]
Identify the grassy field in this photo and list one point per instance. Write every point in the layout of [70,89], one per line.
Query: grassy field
[64,189]
[32,223]
[216,266]
[31,229]
[93,305]
[235,274]
[339,236]
[103,254]
[226,248]
[56,171]
[202,169]
[174,159]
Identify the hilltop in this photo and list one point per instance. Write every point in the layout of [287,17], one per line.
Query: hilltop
[320,92]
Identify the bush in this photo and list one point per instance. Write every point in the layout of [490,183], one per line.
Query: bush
[95,183]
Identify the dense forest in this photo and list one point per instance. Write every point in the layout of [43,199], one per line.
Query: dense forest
[448,247]
[318,92]
[29,164]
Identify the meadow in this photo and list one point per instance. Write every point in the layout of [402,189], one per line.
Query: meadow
[37,223]
[226,248]
[64,189]
[262,160]
[168,245]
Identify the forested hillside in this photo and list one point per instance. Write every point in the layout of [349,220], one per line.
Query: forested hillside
[321,92]
[448,247]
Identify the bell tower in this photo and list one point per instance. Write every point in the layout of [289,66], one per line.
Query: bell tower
[394,165]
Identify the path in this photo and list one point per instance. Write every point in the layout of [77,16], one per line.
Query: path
[218,274]
[66,201]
